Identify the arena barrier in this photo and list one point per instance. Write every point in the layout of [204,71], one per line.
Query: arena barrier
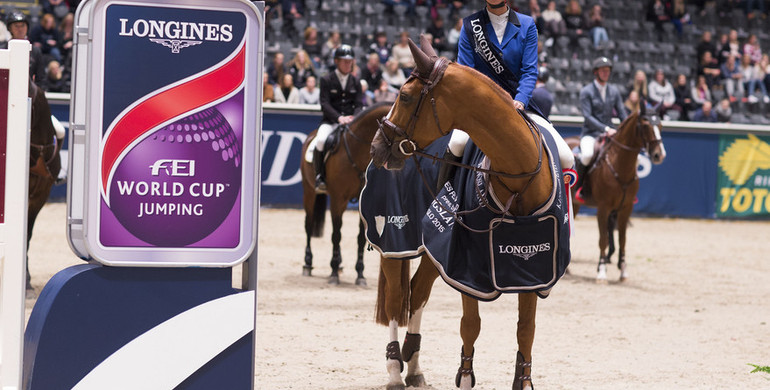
[14,179]
[163,179]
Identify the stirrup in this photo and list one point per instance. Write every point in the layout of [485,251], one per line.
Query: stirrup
[320,185]
[465,371]
[520,378]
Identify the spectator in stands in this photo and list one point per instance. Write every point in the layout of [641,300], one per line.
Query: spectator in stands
[701,92]
[705,113]
[312,45]
[292,10]
[393,74]
[57,8]
[542,53]
[723,40]
[732,78]
[55,80]
[599,102]
[372,71]
[341,99]
[659,12]
[752,5]
[301,68]
[764,64]
[574,20]
[268,89]
[455,7]
[541,96]
[554,23]
[309,94]
[632,103]
[18,26]
[381,47]
[536,15]
[408,3]
[752,49]
[45,36]
[732,47]
[705,44]
[679,16]
[66,33]
[286,92]
[453,37]
[402,53]
[639,84]
[662,93]
[273,9]
[438,34]
[683,94]
[754,76]
[384,93]
[594,24]
[327,50]
[276,69]
[709,69]
[724,111]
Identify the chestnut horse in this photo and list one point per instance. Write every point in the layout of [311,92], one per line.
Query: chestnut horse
[44,161]
[614,182]
[345,168]
[437,97]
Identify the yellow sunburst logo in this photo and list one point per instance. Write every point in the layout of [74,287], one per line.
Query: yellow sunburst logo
[741,159]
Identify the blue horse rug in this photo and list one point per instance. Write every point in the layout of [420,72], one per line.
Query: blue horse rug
[511,255]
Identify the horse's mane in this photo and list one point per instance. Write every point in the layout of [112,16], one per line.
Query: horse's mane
[369,109]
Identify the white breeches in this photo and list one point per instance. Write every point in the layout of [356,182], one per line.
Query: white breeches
[323,133]
[587,149]
[459,138]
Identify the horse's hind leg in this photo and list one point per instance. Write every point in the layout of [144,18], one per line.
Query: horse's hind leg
[334,278]
[391,310]
[421,286]
[602,217]
[308,200]
[525,335]
[360,279]
[623,217]
[470,327]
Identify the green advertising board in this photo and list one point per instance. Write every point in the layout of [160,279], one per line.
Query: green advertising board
[743,182]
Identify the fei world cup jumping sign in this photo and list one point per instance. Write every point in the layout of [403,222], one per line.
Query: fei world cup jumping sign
[170,135]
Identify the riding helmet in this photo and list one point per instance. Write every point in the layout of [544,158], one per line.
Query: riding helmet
[543,74]
[344,52]
[601,62]
[15,17]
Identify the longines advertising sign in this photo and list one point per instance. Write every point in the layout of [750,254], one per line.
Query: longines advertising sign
[172,132]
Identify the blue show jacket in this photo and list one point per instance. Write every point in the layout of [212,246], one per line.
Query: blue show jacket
[519,52]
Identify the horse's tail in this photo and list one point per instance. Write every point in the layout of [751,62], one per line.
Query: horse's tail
[380,315]
[319,215]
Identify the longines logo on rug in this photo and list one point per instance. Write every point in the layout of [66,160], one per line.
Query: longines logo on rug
[524,251]
[398,220]
[174,34]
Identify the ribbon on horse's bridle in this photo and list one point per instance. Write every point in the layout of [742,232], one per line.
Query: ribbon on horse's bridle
[408,147]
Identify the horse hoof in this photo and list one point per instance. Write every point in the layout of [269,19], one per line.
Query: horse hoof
[307,271]
[623,273]
[397,386]
[361,282]
[334,279]
[415,380]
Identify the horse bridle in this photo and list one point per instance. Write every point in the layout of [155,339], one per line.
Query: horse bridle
[654,120]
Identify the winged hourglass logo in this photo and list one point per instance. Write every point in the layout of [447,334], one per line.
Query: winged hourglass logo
[175,44]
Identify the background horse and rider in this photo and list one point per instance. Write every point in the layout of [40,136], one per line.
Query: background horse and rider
[440,96]
[345,167]
[613,181]
[44,160]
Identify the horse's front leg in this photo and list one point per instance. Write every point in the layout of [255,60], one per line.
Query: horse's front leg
[602,218]
[309,201]
[392,299]
[623,217]
[470,327]
[360,279]
[334,278]
[421,286]
[525,335]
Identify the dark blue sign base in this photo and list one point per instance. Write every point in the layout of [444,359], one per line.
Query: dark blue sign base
[87,312]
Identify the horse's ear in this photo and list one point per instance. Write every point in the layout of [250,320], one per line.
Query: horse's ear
[423,62]
[427,47]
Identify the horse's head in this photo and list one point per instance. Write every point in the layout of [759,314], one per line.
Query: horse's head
[642,130]
[414,109]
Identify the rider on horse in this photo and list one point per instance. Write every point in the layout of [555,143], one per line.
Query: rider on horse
[598,101]
[502,44]
[341,98]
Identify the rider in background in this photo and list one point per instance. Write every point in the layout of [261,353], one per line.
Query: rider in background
[341,99]
[599,102]
[18,26]
[512,36]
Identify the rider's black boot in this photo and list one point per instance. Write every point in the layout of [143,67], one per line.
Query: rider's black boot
[320,171]
[446,171]
[581,171]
